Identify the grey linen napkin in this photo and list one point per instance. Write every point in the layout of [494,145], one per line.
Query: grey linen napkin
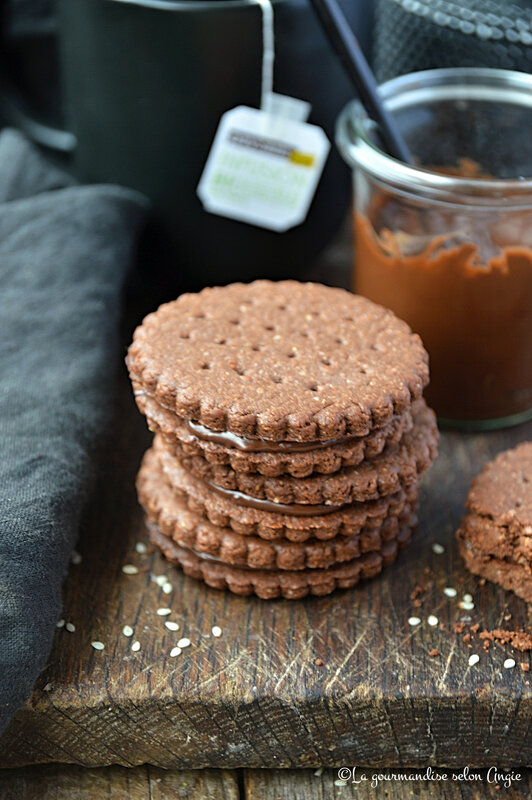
[64,253]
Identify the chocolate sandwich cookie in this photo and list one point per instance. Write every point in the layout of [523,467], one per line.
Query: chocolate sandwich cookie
[495,537]
[283,361]
[395,468]
[268,520]
[270,584]
[193,531]
[242,454]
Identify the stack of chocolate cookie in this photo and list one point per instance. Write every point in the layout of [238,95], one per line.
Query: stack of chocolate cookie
[495,537]
[291,435]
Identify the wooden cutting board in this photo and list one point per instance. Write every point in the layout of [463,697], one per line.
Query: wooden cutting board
[258,696]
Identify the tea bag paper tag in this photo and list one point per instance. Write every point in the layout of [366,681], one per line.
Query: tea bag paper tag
[289,107]
[263,168]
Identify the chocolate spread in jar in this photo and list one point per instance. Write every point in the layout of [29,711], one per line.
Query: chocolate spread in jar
[473,312]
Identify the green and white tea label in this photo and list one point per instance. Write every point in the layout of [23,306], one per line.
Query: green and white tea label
[263,168]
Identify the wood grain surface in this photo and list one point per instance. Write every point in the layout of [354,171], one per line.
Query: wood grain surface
[58,782]
[290,784]
[258,696]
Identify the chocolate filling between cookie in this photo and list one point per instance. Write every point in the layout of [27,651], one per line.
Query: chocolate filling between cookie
[228,439]
[388,548]
[293,509]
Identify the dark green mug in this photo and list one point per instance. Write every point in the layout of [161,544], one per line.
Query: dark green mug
[144,84]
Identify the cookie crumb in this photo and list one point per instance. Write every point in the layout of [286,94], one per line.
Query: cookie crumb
[416,591]
[524,666]
[434,653]
[519,640]
[319,662]
[459,627]
[466,638]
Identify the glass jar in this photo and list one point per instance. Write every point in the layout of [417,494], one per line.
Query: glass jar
[447,245]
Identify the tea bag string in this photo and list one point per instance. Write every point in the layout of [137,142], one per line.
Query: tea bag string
[268,53]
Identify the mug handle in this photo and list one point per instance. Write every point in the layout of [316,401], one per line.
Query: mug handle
[15,109]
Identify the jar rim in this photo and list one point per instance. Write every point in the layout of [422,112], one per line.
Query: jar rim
[353,139]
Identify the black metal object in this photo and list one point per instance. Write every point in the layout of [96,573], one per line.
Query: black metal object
[411,35]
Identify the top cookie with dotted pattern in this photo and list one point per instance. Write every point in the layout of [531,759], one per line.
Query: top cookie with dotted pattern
[282,361]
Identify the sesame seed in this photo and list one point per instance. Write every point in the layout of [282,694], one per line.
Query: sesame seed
[183,643]
[130,569]
[340,782]
[509,663]
[163,612]
[449,591]
[414,621]
[216,631]
[432,620]
[474,659]
[167,588]
[135,647]
[48,687]
[466,606]
[172,626]
[98,645]
[140,547]
[70,627]
[438,548]
[158,579]
[318,772]
[175,651]
[467,598]
[75,557]
[60,623]
[127,630]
